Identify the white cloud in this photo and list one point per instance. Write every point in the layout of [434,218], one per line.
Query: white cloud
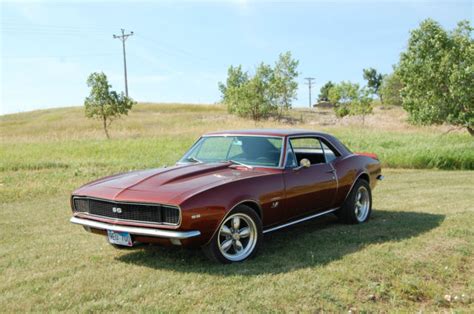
[243,7]
[32,11]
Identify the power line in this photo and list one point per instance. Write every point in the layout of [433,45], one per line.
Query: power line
[123,38]
[310,85]
[82,28]
[49,29]
[173,50]
[41,34]
[79,31]
[60,56]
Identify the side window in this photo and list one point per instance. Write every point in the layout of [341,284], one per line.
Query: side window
[308,148]
[290,157]
[329,153]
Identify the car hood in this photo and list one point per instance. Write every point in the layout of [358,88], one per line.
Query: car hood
[165,185]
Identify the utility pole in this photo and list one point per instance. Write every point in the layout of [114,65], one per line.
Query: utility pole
[310,85]
[123,38]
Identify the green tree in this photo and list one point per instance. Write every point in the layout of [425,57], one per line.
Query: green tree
[437,71]
[362,105]
[269,91]
[349,99]
[374,81]
[252,98]
[324,91]
[236,77]
[103,103]
[391,88]
[284,83]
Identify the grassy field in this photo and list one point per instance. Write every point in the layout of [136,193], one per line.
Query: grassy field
[40,139]
[415,254]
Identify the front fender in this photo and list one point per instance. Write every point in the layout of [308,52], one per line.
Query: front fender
[205,210]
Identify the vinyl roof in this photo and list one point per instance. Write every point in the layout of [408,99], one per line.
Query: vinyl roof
[270,132]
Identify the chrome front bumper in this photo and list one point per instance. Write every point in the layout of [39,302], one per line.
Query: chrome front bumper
[159,233]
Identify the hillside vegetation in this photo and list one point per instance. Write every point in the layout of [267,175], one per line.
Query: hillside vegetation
[398,144]
[62,146]
[415,254]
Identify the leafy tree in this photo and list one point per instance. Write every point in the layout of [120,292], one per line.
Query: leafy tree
[235,78]
[350,99]
[342,95]
[269,91]
[390,89]
[362,106]
[284,83]
[252,97]
[103,103]
[437,71]
[374,81]
[324,91]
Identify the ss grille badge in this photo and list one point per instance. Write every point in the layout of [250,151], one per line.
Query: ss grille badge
[117,210]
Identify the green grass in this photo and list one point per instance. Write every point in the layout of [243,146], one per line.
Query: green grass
[416,250]
[414,150]
[65,138]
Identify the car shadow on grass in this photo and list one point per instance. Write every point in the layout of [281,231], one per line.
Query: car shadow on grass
[309,244]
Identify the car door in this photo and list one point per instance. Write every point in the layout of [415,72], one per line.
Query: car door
[308,189]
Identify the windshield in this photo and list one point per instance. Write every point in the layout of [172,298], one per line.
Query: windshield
[248,150]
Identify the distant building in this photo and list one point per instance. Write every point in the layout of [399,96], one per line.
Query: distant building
[323,104]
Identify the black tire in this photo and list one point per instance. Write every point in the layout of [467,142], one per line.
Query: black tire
[249,245]
[351,212]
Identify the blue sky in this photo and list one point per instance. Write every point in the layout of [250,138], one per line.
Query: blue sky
[182,49]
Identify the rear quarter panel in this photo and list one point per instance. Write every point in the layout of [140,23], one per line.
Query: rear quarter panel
[349,169]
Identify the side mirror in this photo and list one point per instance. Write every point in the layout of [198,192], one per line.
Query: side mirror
[305,163]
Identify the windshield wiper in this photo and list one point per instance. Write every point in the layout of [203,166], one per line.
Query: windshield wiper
[235,162]
[193,159]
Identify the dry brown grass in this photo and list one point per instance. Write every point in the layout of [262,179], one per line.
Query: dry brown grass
[387,118]
[153,120]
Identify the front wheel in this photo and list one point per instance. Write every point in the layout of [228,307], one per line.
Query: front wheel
[358,205]
[237,238]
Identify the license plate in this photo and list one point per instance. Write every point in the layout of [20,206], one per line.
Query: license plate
[120,238]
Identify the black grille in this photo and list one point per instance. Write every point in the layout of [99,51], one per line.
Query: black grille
[154,213]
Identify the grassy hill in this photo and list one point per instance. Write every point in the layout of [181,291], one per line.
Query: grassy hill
[62,140]
[386,132]
[416,253]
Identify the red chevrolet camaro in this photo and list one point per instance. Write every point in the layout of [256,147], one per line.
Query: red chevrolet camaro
[229,189]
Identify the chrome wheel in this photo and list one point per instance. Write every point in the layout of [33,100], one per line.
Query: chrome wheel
[237,237]
[362,204]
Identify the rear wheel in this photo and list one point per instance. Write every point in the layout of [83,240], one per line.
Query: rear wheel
[238,237]
[358,205]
